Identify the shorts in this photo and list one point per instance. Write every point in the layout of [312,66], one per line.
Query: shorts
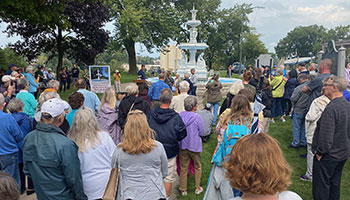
[172,174]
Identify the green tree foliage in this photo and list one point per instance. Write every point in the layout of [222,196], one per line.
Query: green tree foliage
[56,27]
[224,37]
[305,40]
[252,48]
[308,40]
[146,60]
[8,56]
[152,23]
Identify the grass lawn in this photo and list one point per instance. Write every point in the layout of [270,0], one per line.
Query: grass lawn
[283,133]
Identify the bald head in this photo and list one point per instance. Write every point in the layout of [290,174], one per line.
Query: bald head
[81,83]
[325,66]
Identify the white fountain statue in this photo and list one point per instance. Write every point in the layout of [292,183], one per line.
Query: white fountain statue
[192,46]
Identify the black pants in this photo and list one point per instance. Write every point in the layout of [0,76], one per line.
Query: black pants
[63,85]
[286,106]
[326,176]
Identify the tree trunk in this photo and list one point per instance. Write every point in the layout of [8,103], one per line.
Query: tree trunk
[59,50]
[130,48]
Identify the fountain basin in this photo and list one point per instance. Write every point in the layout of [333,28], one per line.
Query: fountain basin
[198,46]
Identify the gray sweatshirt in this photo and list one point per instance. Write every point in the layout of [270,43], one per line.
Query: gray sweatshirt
[300,99]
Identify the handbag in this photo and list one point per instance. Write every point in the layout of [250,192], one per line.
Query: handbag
[112,185]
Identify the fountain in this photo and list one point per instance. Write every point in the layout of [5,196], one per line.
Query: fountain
[185,64]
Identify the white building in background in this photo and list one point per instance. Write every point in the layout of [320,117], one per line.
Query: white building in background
[169,59]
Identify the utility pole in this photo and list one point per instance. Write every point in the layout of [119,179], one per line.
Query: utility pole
[240,41]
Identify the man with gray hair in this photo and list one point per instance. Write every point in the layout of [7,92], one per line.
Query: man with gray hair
[10,138]
[154,91]
[194,80]
[313,88]
[187,78]
[177,103]
[331,141]
[169,129]
[27,98]
[51,158]
[52,86]
[131,102]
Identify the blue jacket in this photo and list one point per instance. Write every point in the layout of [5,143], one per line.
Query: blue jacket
[346,95]
[156,88]
[169,128]
[26,124]
[11,134]
[91,100]
[32,84]
[51,159]
[142,74]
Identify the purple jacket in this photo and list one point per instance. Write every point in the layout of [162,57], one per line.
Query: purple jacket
[107,119]
[195,129]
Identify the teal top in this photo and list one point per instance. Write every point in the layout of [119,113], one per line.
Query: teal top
[70,117]
[29,102]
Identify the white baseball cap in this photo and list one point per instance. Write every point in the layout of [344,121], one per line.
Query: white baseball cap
[54,107]
[7,78]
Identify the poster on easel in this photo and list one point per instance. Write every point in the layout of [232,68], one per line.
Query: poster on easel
[100,78]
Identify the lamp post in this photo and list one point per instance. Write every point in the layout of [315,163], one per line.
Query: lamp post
[240,41]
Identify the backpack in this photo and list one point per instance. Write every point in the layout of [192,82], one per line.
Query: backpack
[231,135]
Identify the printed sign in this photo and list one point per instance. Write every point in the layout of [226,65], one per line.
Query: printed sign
[99,78]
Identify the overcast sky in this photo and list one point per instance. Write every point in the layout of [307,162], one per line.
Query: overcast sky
[274,21]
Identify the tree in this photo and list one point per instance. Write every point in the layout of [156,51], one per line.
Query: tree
[152,23]
[8,56]
[252,47]
[57,26]
[302,40]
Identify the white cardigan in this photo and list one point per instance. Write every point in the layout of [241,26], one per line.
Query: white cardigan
[316,109]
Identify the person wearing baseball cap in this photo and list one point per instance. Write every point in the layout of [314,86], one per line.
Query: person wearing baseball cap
[117,77]
[12,67]
[48,154]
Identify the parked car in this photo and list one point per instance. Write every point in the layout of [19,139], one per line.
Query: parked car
[236,67]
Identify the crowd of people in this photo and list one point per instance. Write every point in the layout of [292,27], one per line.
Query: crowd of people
[153,135]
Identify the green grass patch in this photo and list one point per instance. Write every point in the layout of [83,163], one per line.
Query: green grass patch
[283,133]
[127,78]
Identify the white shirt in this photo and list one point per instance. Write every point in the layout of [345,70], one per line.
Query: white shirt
[285,195]
[95,166]
[177,103]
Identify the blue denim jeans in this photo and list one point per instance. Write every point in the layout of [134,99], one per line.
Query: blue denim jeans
[299,130]
[276,109]
[215,106]
[9,164]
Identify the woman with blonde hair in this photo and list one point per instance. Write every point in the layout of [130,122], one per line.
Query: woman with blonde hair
[107,115]
[231,126]
[95,152]
[141,160]
[258,168]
